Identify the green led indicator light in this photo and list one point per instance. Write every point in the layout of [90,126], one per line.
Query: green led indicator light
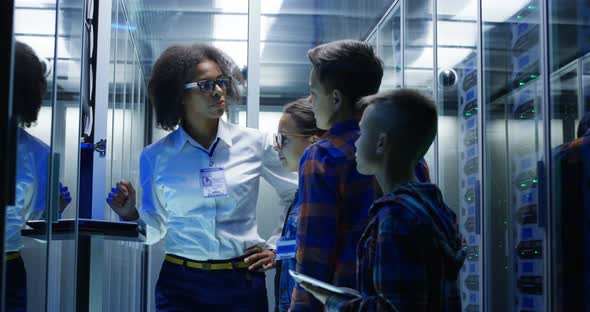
[533,110]
[467,114]
[533,76]
[519,16]
[521,84]
[523,184]
[532,7]
[536,252]
[535,180]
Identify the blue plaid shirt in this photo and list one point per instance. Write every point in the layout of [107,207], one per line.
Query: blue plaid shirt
[409,257]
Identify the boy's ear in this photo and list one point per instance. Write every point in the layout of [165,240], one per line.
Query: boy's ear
[382,141]
[337,98]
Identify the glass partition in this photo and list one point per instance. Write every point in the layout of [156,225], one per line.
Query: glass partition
[118,278]
[390,49]
[418,45]
[515,221]
[26,259]
[419,56]
[458,131]
[64,169]
[569,116]
[533,92]
[41,259]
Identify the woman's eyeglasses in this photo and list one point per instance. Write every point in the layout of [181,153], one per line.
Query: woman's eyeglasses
[208,86]
[279,138]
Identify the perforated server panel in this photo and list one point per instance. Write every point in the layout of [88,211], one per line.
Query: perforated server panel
[470,277]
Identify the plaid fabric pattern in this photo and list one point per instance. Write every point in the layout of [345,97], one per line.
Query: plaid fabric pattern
[335,201]
[409,256]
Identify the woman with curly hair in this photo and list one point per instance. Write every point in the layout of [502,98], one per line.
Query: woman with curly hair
[29,87]
[200,187]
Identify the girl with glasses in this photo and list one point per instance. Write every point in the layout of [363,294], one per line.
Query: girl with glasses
[297,130]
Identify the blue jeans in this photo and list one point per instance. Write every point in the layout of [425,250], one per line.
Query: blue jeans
[181,288]
[16,286]
[284,284]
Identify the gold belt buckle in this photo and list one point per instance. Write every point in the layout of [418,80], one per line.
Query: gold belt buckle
[206,266]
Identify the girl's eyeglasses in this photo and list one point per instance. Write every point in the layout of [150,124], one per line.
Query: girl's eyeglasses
[279,138]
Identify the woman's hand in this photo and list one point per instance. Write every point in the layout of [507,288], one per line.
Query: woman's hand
[122,200]
[262,259]
[64,197]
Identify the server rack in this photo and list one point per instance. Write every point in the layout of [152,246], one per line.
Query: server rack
[525,153]
[470,276]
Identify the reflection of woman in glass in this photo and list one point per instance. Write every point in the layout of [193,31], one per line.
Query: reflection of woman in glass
[297,130]
[209,228]
[31,171]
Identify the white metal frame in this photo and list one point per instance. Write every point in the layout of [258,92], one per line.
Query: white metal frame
[101,104]
[253,99]
[99,162]
[547,105]
[50,288]
[435,80]
[482,156]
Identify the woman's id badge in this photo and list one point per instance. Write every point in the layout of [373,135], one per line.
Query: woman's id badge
[286,249]
[213,182]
